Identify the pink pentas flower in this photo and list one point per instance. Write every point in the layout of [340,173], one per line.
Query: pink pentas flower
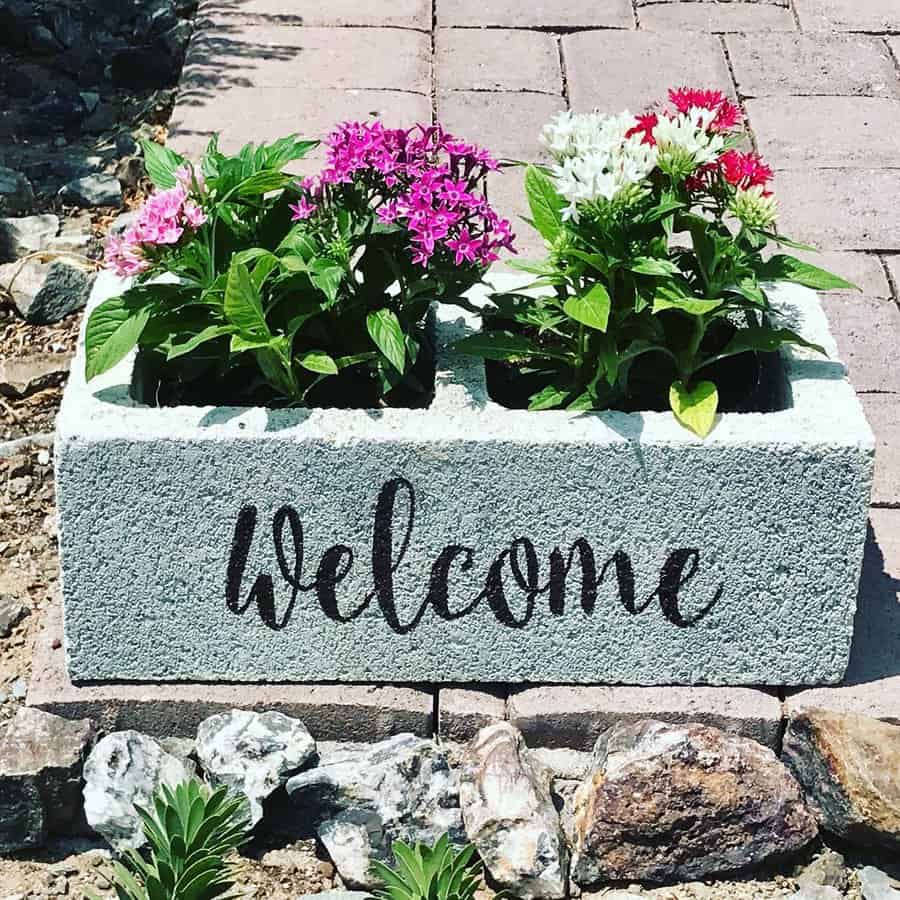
[302,209]
[162,222]
[423,179]
[745,170]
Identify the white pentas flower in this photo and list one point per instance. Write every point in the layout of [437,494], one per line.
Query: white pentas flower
[754,207]
[596,160]
[688,134]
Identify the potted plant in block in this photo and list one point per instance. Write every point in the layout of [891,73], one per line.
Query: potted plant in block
[655,289]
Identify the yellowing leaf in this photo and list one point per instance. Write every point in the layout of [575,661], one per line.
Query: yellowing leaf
[695,409]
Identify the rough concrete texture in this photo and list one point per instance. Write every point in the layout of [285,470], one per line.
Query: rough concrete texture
[872,685]
[575,717]
[463,712]
[734,559]
[332,712]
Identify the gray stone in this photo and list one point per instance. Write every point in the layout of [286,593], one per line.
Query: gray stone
[45,292]
[816,892]
[253,753]
[849,767]
[509,815]
[828,869]
[130,171]
[124,769]
[91,100]
[41,761]
[27,234]
[807,468]
[92,190]
[709,803]
[565,764]
[21,376]
[538,13]
[363,800]
[11,611]
[875,885]
[16,193]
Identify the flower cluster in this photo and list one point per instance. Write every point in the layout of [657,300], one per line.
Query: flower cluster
[612,158]
[162,221]
[423,180]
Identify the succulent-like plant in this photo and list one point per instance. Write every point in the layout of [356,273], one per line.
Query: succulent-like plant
[429,873]
[190,832]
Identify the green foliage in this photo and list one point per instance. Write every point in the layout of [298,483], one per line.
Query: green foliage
[624,313]
[429,873]
[190,831]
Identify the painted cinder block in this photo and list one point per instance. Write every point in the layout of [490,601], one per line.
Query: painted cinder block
[464,542]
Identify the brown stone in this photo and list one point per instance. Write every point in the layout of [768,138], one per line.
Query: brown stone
[790,65]
[20,376]
[679,803]
[849,767]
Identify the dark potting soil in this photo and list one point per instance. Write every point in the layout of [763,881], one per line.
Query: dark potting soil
[194,383]
[748,382]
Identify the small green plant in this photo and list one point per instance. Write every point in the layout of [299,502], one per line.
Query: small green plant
[429,873]
[190,832]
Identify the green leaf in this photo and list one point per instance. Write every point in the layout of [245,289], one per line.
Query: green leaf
[385,330]
[186,343]
[161,164]
[243,307]
[695,306]
[318,361]
[789,268]
[648,265]
[591,309]
[500,345]
[326,275]
[551,397]
[545,203]
[695,409]
[113,331]
[765,340]
[262,183]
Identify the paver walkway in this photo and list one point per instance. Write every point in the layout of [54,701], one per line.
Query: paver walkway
[819,81]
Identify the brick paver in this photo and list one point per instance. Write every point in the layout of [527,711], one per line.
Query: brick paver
[848,15]
[801,133]
[537,13]
[497,60]
[399,13]
[785,65]
[716,17]
[614,71]
[883,412]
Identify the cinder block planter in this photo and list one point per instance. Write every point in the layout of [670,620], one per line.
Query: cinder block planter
[464,542]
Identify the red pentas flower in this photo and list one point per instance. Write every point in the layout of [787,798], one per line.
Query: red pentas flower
[744,170]
[421,178]
[728,115]
[645,125]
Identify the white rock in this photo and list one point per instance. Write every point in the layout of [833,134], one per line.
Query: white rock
[509,814]
[26,234]
[875,885]
[253,753]
[364,799]
[124,769]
